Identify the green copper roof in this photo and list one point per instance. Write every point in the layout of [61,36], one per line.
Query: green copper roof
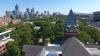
[71,20]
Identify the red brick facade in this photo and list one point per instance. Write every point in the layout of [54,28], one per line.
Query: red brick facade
[3,49]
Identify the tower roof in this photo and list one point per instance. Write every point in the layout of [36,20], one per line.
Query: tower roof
[71,20]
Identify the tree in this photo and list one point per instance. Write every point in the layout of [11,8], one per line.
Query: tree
[58,31]
[82,27]
[3,28]
[13,49]
[97,37]
[23,34]
[84,37]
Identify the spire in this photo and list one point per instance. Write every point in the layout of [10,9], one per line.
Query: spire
[71,20]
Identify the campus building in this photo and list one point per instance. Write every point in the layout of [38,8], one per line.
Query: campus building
[70,46]
[96,16]
[4,39]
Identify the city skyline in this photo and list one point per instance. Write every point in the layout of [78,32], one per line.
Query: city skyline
[63,6]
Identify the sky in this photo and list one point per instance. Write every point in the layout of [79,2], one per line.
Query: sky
[63,6]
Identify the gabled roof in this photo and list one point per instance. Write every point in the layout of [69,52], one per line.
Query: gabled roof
[71,20]
[32,50]
[73,47]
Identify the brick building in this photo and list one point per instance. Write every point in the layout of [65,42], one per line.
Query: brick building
[4,39]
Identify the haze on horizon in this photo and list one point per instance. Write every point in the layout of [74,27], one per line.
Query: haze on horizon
[63,6]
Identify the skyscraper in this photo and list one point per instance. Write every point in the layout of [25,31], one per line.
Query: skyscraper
[27,10]
[48,14]
[37,13]
[8,13]
[16,7]
[13,15]
[32,11]
[45,13]
[17,12]
[13,12]
[27,13]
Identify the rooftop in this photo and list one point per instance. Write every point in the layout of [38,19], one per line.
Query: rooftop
[2,42]
[71,47]
[93,51]
[5,38]
[71,21]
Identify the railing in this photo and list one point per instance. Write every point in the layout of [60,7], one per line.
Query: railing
[5,38]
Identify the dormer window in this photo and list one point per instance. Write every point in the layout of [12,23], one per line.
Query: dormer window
[52,53]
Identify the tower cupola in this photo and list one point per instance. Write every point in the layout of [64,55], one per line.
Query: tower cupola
[71,27]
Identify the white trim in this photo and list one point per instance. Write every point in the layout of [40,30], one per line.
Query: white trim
[93,51]
[5,32]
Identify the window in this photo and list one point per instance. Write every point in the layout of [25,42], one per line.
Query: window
[0,51]
[1,37]
[4,49]
[6,35]
[2,45]
[60,55]
[52,53]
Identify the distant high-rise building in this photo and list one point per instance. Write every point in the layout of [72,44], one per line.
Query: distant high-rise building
[27,10]
[27,13]
[17,12]
[13,16]
[32,10]
[41,14]
[54,14]
[45,13]
[48,13]
[58,13]
[13,12]
[16,7]
[21,15]
[37,13]
[96,16]
[32,13]
[8,13]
